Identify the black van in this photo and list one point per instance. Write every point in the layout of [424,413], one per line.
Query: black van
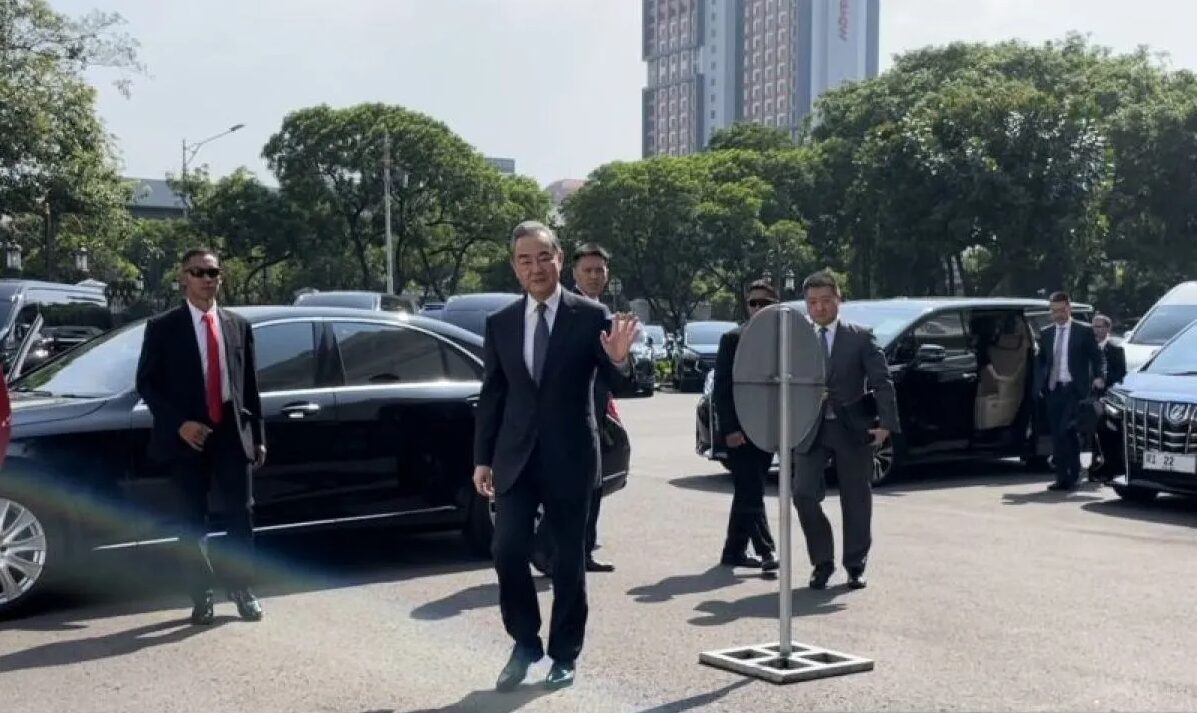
[63,315]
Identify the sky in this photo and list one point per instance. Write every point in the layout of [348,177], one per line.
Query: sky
[554,84]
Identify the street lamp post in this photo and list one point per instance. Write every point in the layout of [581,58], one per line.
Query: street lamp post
[616,287]
[81,260]
[12,257]
[790,283]
[189,151]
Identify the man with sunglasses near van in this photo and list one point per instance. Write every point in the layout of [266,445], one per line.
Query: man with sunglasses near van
[197,374]
[749,465]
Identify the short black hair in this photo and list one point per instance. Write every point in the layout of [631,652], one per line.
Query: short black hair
[1059,296]
[1099,317]
[763,286]
[591,249]
[821,279]
[197,252]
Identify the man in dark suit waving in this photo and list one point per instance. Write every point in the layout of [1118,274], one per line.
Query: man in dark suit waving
[536,443]
[1069,365]
[855,367]
[197,375]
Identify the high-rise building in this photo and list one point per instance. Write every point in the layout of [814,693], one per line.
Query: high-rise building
[712,63]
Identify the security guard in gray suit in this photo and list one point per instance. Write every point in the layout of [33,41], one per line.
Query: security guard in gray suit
[857,381]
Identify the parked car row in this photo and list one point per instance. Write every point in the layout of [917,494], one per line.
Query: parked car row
[369,417]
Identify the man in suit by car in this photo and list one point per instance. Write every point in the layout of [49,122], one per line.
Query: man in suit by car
[1070,364]
[1107,446]
[855,367]
[197,374]
[536,444]
[591,273]
[749,464]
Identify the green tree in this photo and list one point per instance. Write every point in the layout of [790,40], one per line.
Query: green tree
[746,135]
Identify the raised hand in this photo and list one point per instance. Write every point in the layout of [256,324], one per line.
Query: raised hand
[618,342]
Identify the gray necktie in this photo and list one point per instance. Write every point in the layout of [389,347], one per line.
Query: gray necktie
[540,342]
[826,345]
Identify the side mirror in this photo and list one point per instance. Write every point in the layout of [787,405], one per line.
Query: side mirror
[930,354]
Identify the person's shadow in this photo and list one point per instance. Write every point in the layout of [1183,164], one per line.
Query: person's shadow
[476,597]
[805,602]
[121,643]
[489,700]
[716,577]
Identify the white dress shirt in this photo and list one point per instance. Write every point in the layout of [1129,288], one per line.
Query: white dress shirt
[830,335]
[1063,332]
[201,336]
[530,318]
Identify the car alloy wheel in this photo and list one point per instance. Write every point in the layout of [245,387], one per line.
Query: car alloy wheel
[22,551]
[883,461]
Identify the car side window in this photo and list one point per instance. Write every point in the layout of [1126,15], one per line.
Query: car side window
[286,356]
[945,330]
[384,354]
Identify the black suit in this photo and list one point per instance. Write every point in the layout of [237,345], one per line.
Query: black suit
[171,381]
[1115,363]
[1085,363]
[1108,444]
[749,465]
[542,443]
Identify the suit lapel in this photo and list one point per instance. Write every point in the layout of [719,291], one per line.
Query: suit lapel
[837,347]
[516,327]
[565,319]
[231,339]
[192,362]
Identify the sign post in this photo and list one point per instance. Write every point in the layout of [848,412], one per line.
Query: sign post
[779,382]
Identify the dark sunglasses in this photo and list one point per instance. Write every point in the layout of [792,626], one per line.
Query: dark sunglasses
[761,303]
[213,272]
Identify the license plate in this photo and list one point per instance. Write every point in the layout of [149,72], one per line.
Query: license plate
[1170,462]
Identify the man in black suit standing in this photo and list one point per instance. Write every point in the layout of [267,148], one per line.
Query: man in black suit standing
[749,465]
[197,375]
[1107,446]
[1069,365]
[855,366]
[536,443]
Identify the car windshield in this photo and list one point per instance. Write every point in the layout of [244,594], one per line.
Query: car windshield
[886,320]
[1179,357]
[1163,323]
[655,331]
[105,366]
[707,333]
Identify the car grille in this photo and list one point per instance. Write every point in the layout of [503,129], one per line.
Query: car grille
[1165,426]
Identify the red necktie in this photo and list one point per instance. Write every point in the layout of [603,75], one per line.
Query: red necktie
[215,400]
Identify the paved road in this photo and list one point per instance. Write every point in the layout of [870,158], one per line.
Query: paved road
[986,593]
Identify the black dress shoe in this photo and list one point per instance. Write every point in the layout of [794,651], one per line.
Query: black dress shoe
[203,613]
[248,606]
[820,575]
[769,563]
[593,565]
[516,670]
[560,675]
[1062,487]
[740,561]
[856,579]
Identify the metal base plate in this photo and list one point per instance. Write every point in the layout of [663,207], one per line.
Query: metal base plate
[805,663]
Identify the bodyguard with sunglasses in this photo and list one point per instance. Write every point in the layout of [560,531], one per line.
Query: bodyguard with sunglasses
[749,464]
[197,375]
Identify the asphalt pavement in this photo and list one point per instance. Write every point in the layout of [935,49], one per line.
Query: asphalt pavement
[985,593]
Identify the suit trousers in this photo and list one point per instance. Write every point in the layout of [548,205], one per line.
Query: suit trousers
[854,470]
[222,464]
[1063,405]
[747,521]
[565,518]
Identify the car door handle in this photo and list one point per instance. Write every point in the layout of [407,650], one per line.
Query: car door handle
[473,400]
[300,410]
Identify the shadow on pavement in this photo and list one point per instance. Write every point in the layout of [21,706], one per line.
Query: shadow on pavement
[96,648]
[489,701]
[805,602]
[699,701]
[716,577]
[477,597]
[141,580]
[1085,492]
[1166,510]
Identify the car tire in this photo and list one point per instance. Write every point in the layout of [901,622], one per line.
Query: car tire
[34,552]
[1133,494]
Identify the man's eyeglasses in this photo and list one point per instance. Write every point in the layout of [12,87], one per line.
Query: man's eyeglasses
[213,272]
[761,303]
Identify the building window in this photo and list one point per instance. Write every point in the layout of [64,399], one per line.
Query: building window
[782,120]
[768,121]
[712,113]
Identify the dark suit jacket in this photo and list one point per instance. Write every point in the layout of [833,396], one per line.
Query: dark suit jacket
[1115,363]
[858,383]
[557,418]
[602,390]
[170,379]
[722,394]
[1085,359]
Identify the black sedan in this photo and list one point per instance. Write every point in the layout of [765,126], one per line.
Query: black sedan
[1149,439]
[695,355]
[963,369]
[369,417]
